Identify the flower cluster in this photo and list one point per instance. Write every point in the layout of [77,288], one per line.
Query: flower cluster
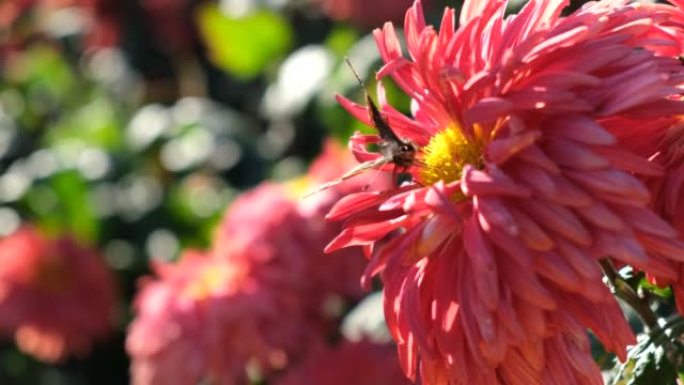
[525,184]
[262,297]
[56,296]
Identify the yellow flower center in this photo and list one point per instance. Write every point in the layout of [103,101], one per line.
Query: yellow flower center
[213,280]
[298,187]
[446,155]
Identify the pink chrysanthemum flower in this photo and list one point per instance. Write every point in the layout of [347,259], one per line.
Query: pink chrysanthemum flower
[260,298]
[490,260]
[264,228]
[357,363]
[207,318]
[56,297]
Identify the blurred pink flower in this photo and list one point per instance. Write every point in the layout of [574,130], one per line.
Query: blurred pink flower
[11,10]
[363,13]
[286,234]
[357,363]
[264,229]
[56,297]
[490,261]
[333,160]
[261,295]
[206,318]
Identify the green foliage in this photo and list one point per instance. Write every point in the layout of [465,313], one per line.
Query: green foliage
[37,86]
[41,70]
[95,123]
[197,204]
[246,45]
[663,292]
[73,211]
[648,366]
[396,97]
[341,39]
[658,358]
[653,367]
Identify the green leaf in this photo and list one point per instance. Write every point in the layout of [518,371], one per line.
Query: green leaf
[196,204]
[341,40]
[245,45]
[649,362]
[654,368]
[42,69]
[95,123]
[73,210]
[664,292]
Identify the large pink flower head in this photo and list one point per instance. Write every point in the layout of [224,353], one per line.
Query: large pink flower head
[207,318]
[357,363]
[490,259]
[56,297]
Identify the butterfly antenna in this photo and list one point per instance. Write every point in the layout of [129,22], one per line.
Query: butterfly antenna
[356,74]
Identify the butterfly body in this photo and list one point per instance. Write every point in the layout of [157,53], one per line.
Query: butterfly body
[392,149]
[400,152]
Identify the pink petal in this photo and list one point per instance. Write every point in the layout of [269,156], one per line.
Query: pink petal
[353,203]
[573,155]
[501,150]
[487,110]
[559,219]
[581,128]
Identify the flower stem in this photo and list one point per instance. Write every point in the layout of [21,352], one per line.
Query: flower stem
[625,292]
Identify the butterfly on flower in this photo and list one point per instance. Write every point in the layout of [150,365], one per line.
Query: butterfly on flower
[392,148]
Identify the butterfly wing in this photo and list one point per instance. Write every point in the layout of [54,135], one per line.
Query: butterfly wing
[376,117]
[380,123]
[351,173]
